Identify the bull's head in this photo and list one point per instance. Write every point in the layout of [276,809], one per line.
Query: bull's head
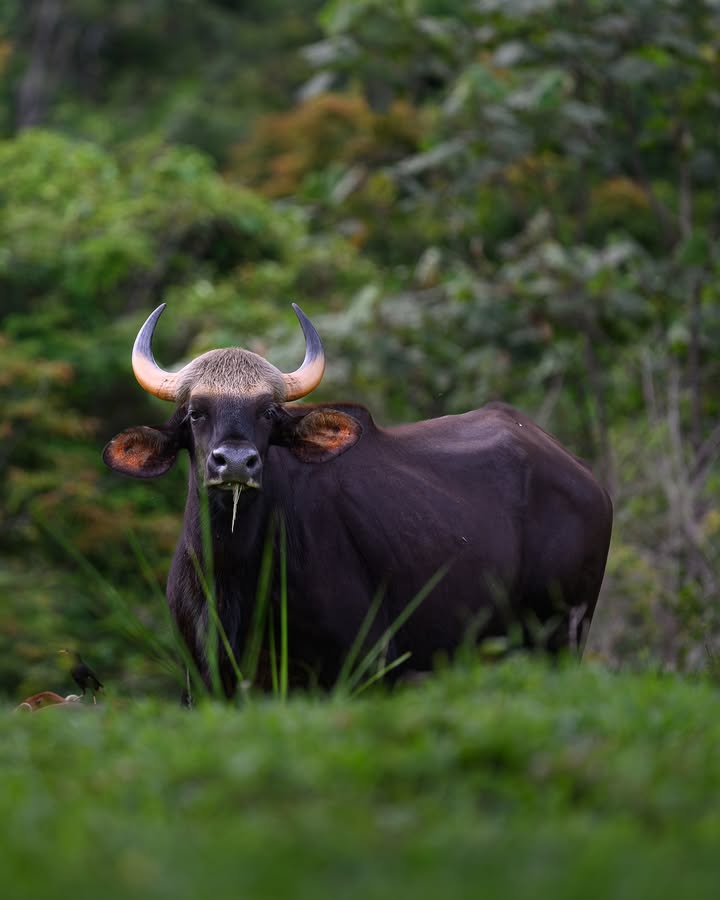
[230,409]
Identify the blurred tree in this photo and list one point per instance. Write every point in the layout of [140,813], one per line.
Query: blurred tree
[187,71]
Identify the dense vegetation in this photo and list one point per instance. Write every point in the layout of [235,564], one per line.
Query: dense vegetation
[511,199]
[493,781]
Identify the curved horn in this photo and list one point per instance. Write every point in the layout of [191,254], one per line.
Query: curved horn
[155,380]
[308,376]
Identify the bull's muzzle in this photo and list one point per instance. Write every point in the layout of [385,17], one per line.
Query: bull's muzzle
[233,463]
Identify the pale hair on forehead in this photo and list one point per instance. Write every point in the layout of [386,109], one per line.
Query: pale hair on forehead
[231,371]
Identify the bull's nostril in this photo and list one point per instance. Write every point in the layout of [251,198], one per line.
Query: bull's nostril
[235,461]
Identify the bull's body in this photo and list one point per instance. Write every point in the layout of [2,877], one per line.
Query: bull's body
[521,525]
[512,530]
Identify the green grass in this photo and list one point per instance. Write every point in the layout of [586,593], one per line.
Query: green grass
[513,780]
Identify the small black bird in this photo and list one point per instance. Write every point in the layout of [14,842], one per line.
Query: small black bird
[82,674]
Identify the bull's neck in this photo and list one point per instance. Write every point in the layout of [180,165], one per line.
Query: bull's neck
[232,542]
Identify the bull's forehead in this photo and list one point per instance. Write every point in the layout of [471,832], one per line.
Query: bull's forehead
[232,372]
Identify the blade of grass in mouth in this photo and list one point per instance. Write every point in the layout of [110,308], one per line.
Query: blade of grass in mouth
[236,493]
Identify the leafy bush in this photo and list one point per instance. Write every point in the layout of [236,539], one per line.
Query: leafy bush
[571,780]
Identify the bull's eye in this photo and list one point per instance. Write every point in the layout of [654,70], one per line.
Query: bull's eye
[270,412]
[196,415]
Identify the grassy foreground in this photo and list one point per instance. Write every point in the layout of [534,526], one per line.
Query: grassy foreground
[513,780]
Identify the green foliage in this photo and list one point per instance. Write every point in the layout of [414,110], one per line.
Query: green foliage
[187,71]
[572,780]
[83,223]
[288,151]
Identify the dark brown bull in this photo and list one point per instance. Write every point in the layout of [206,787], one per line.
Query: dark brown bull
[517,527]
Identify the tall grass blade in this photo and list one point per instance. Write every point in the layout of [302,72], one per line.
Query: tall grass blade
[191,672]
[251,657]
[212,611]
[381,673]
[208,582]
[343,678]
[279,656]
[382,643]
[272,649]
[124,618]
[284,649]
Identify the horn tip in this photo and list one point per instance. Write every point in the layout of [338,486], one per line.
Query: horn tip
[302,318]
[151,320]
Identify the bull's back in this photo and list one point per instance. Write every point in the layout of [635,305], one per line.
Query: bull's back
[538,521]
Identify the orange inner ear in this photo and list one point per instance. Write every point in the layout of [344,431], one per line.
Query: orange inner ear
[325,433]
[131,452]
[143,452]
[328,428]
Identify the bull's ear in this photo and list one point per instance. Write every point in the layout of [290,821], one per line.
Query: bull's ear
[320,435]
[143,451]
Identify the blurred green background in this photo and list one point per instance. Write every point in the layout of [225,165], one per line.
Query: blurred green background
[512,199]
